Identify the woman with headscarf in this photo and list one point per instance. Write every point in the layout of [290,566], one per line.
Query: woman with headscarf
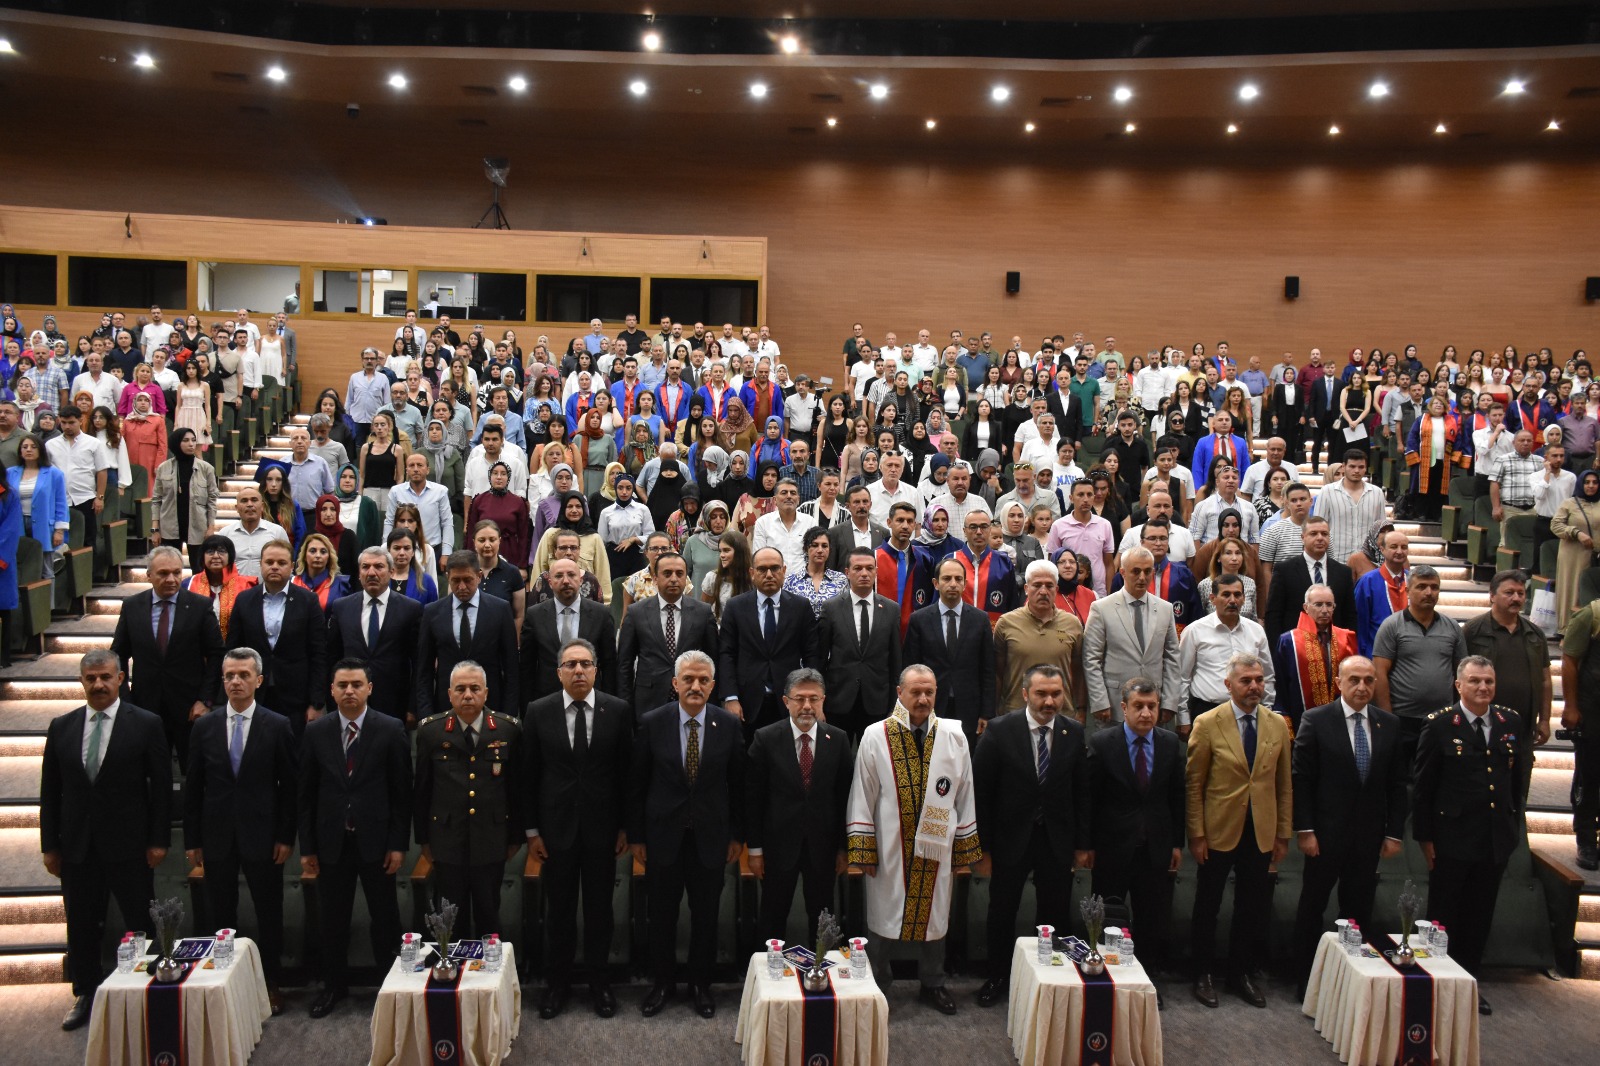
[870,474]
[607,495]
[1023,547]
[935,538]
[758,499]
[144,434]
[1074,584]
[772,447]
[681,523]
[1574,525]
[217,579]
[710,472]
[640,447]
[186,492]
[597,450]
[920,448]
[700,547]
[445,465]
[737,432]
[318,570]
[665,492]
[356,510]
[506,510]
[563,479]
[623,526]
[331,528]
[573,516]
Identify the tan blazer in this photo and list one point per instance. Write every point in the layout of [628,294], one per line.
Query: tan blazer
[1221,790]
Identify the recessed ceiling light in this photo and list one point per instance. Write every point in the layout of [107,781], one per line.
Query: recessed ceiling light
[277,74]
[398,81]
[1248,92]
[758,89]
[1028,127]
[5,47]
[1333,131]
[651,41]
[518,84]
[1378,90]
[790,44]
[931,123]
[1554,125]
[143,61]
[1122,94]
[1515,87]
[1232,128]
[1000,94]
[1440,128]
[832,122]
[1129,128]
[879,91]
[638,88]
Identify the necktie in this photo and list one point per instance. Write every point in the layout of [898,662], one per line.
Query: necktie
[1141,763]
[351,736]
[1223,449]
[864,628]
[1249,734]
[580,731]
[1316,572]
[566,625]
[691,756]
[465,638]
[1044,752]
[1483,733]
[236,744]
[469,738]
[769,623]
[164,628]
[372,625]
[950,630]
[805,761]
[91,765]
[671,627]
[1138,621]
[1363,751]
[917,735]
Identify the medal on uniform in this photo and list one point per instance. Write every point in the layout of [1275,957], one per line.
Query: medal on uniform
[496,770]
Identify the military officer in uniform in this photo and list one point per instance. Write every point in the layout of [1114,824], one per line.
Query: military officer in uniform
[1465,809]
[468,803]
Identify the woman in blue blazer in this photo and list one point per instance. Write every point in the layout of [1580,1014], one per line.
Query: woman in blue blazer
[49,517]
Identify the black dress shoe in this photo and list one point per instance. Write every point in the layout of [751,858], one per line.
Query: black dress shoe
[605,1000]
[993,991]
[554,1001]
[78,1016]
[655,1000]
[1245,986]
[1483,1006]
[1205,991]
[937,998]
[1588,858]
[704,1005]
[326,1000]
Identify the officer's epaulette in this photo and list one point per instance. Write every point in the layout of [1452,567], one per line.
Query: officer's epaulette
[434,718]
[1440,711]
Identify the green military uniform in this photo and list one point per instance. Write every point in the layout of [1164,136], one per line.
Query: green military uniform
[1580,650]
[1466,804]
[468,808]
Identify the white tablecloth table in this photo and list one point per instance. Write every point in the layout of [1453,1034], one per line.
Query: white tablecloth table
[1045,1015]
[222,1013]
[1356,1004]
[771,1021]
[491,1010]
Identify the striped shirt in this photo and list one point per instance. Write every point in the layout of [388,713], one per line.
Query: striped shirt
[1515,474]
[1281,540]
[1349,518]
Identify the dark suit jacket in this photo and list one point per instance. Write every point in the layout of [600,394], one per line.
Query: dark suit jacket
[541,644]
[663,802]
[571,804]
[126,808]
[244,815]
[190,672]
[494,647]
[851,670]
[1068,409]
[377,796]
[841,542]
[1287,596]
[393,669]
[1010,797]
[748,667]
[784,820]
[1285,415]
[295,673]
[1124,821]
[966,678]
[644,673]
[1330,798]
[1322,400]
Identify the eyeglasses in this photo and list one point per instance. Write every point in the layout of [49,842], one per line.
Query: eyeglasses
[578,664]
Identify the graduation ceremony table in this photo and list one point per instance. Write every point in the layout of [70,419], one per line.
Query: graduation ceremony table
[1045,1015]
[1357,1003]
[488,1011]
[772,1015]
[221,1013]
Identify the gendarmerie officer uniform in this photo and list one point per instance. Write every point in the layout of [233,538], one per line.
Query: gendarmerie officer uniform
[1466,805]
[469,810]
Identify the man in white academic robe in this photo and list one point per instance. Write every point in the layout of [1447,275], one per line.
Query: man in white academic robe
[912,820]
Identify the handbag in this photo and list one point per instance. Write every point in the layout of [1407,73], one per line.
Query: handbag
[1544,612]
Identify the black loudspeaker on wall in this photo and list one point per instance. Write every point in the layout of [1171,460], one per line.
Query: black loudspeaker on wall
[1591,289]
[1014,281]
[1291,287]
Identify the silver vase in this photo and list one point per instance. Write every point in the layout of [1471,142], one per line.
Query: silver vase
[1403,955]
[168,969]
[1095,964]
[815,979]
[446,969]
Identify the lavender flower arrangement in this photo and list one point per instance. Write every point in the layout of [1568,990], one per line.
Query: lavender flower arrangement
[1410,905]
[441,923]
[167,914]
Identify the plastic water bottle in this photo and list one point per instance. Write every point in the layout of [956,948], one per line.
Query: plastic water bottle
[1125,951]
[1047,944]
[860,965]
[127,955]
[1341,927]
[222,953]
[493,954]
[1352,941]
[408,951]
[1440,942]
[775,959]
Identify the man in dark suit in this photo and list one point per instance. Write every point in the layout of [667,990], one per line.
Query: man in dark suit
[579,749]
[467,625]
[1136,804]
[859,532]
[645,654]
[105,823]
[1313,566]
[965,672]
[355,821]
[1031,784]
[291,638]
[379,627]
[569,616]
[1349,803]
[238,806]
[169,641]
[686,823]
[858,648]
[767,634]
[1322,412]
[799,783]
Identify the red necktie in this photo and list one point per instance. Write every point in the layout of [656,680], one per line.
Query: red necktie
[805,760]
[164,631]
[1224,449]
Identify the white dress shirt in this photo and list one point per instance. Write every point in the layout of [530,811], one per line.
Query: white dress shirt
[105,729]
[1203,653]
[770,532]
[246,717]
